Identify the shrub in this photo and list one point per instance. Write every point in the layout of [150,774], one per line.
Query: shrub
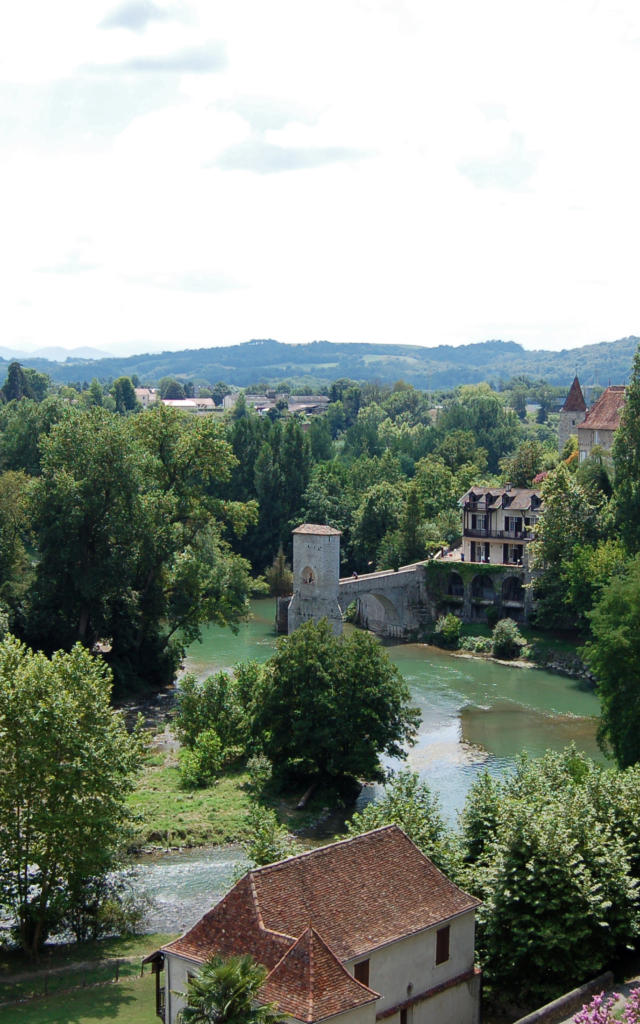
[200,765]
[267,841]
[447,631]
[476,644]
[507,641]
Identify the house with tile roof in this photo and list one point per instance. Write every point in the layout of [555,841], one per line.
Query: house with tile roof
[362,930]
[498,522]
[601,421]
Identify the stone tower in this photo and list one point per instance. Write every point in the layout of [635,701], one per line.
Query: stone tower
[316,576]
[572,414]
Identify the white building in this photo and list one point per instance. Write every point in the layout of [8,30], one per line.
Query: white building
[360,931]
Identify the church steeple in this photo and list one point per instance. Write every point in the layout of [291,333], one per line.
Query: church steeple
[572,414]
[574,402]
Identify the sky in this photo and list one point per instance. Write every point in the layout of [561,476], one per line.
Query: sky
[186,174]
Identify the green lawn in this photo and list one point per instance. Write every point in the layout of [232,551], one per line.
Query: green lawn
[172,816]
[129,1002]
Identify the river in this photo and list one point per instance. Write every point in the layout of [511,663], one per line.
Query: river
[475,715]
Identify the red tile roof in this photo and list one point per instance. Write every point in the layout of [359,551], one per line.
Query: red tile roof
[332,889]
[314,528]
[311,984]
[574,402]
[605,414]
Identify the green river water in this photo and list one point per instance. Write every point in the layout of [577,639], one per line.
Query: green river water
[475,714]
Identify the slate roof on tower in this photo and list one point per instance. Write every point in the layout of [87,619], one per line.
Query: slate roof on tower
[574,402]
[317,529]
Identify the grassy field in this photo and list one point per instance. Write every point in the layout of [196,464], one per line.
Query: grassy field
[171,816]
[129,1001]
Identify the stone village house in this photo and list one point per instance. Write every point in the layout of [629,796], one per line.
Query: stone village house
[363,930]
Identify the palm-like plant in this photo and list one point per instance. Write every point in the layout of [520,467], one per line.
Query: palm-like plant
[225,992]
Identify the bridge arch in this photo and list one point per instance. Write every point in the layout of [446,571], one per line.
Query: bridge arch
[378,613]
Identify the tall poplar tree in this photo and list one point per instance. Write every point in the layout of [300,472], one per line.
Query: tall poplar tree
[626,460]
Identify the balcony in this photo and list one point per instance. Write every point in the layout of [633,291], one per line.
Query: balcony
[498,534]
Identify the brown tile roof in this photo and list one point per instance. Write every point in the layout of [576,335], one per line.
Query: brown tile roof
[605,414]
[574,402]
[233,926]
[310,983]
[314,528]
[360,893]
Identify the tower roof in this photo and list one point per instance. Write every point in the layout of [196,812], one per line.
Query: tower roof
[574,402]
[322,531]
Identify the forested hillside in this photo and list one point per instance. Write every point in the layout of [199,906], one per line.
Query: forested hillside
[318,363]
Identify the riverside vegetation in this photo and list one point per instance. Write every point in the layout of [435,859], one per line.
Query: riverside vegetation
[124,531]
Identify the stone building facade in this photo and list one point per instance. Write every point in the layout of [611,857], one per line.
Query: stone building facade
[316,576]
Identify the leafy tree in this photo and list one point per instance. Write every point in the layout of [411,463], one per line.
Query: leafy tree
[16,386]
[588,572]
[124,395]
[626,461]
[551,850]
[478,409]
[279,576]
[410,804]
[378,513]
[319,435]
[130,541]
[202,763]
[565,502]
[22,426]
[171,389]
[446,632]
[335,704]
[215,704]
[506,640]
[614,656]
[226,992]
[266,841]
[411,540]
[526,462]
[66,768]
[15,570]
[96,394]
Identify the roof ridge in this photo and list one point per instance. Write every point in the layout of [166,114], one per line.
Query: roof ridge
[327,846]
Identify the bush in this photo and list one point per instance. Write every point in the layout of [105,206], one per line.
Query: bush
[476,644]
[447,631]
[217,704]
[200,765]
[507,641]
[267,841]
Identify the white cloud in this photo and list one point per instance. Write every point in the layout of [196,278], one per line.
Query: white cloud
[453,171]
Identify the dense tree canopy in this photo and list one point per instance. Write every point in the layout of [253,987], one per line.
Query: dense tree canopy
[67,765]
[334,704]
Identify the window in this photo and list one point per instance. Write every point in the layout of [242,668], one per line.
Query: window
[403,1017]
[442,945]
[361,972]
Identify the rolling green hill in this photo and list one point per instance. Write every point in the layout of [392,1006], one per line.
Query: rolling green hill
[444,366]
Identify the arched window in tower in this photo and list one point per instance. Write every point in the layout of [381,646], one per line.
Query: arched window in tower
[307,575]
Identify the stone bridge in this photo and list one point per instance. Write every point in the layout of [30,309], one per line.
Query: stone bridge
[391,603]
[396,604]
